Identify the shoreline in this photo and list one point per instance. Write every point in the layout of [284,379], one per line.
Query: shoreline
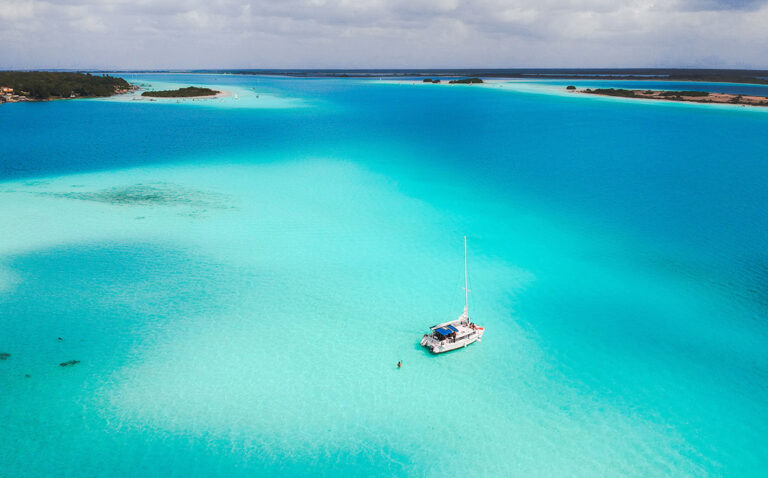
[722,99]
[706,98]
[27,99]
[178,99]
[145,93]
[754,77]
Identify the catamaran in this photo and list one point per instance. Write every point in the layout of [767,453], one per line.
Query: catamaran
[456,333]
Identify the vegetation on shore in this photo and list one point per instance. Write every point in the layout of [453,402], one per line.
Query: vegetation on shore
[188,92]
[463,81]
[684,93]
[646,93]
[689,96]
[612,92]
[466,81]
[44,85]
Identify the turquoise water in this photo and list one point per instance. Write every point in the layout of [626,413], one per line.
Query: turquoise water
[238,278]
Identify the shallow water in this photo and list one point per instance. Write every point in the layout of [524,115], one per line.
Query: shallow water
[238,283]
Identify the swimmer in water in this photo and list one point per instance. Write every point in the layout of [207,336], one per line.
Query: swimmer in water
[399,364]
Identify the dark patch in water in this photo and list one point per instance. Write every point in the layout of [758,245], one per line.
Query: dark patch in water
[69,362]
[4,356]
[157,194]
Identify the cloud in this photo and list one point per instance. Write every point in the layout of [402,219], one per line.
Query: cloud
[16,11]
[699,5]
[382,33]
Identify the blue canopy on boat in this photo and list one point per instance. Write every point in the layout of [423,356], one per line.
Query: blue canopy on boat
[446,330]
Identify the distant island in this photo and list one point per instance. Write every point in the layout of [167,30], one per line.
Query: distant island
[188,92]
[18,86]
[466,81]
[463,81]
[688,96]
[759,77]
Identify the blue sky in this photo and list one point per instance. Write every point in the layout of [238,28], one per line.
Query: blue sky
[382,33]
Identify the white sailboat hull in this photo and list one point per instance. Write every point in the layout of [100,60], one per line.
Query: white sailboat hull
[439,346]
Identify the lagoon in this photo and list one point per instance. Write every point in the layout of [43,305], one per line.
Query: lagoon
[239,276]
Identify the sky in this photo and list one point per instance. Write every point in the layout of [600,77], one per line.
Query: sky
[211,34]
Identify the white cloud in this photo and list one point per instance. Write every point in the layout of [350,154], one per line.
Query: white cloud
[16,11]
[383,33]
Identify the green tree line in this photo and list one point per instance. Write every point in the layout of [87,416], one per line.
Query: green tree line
[189,91]
[47,84]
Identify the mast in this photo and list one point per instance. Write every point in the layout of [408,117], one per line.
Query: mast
[466,281]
